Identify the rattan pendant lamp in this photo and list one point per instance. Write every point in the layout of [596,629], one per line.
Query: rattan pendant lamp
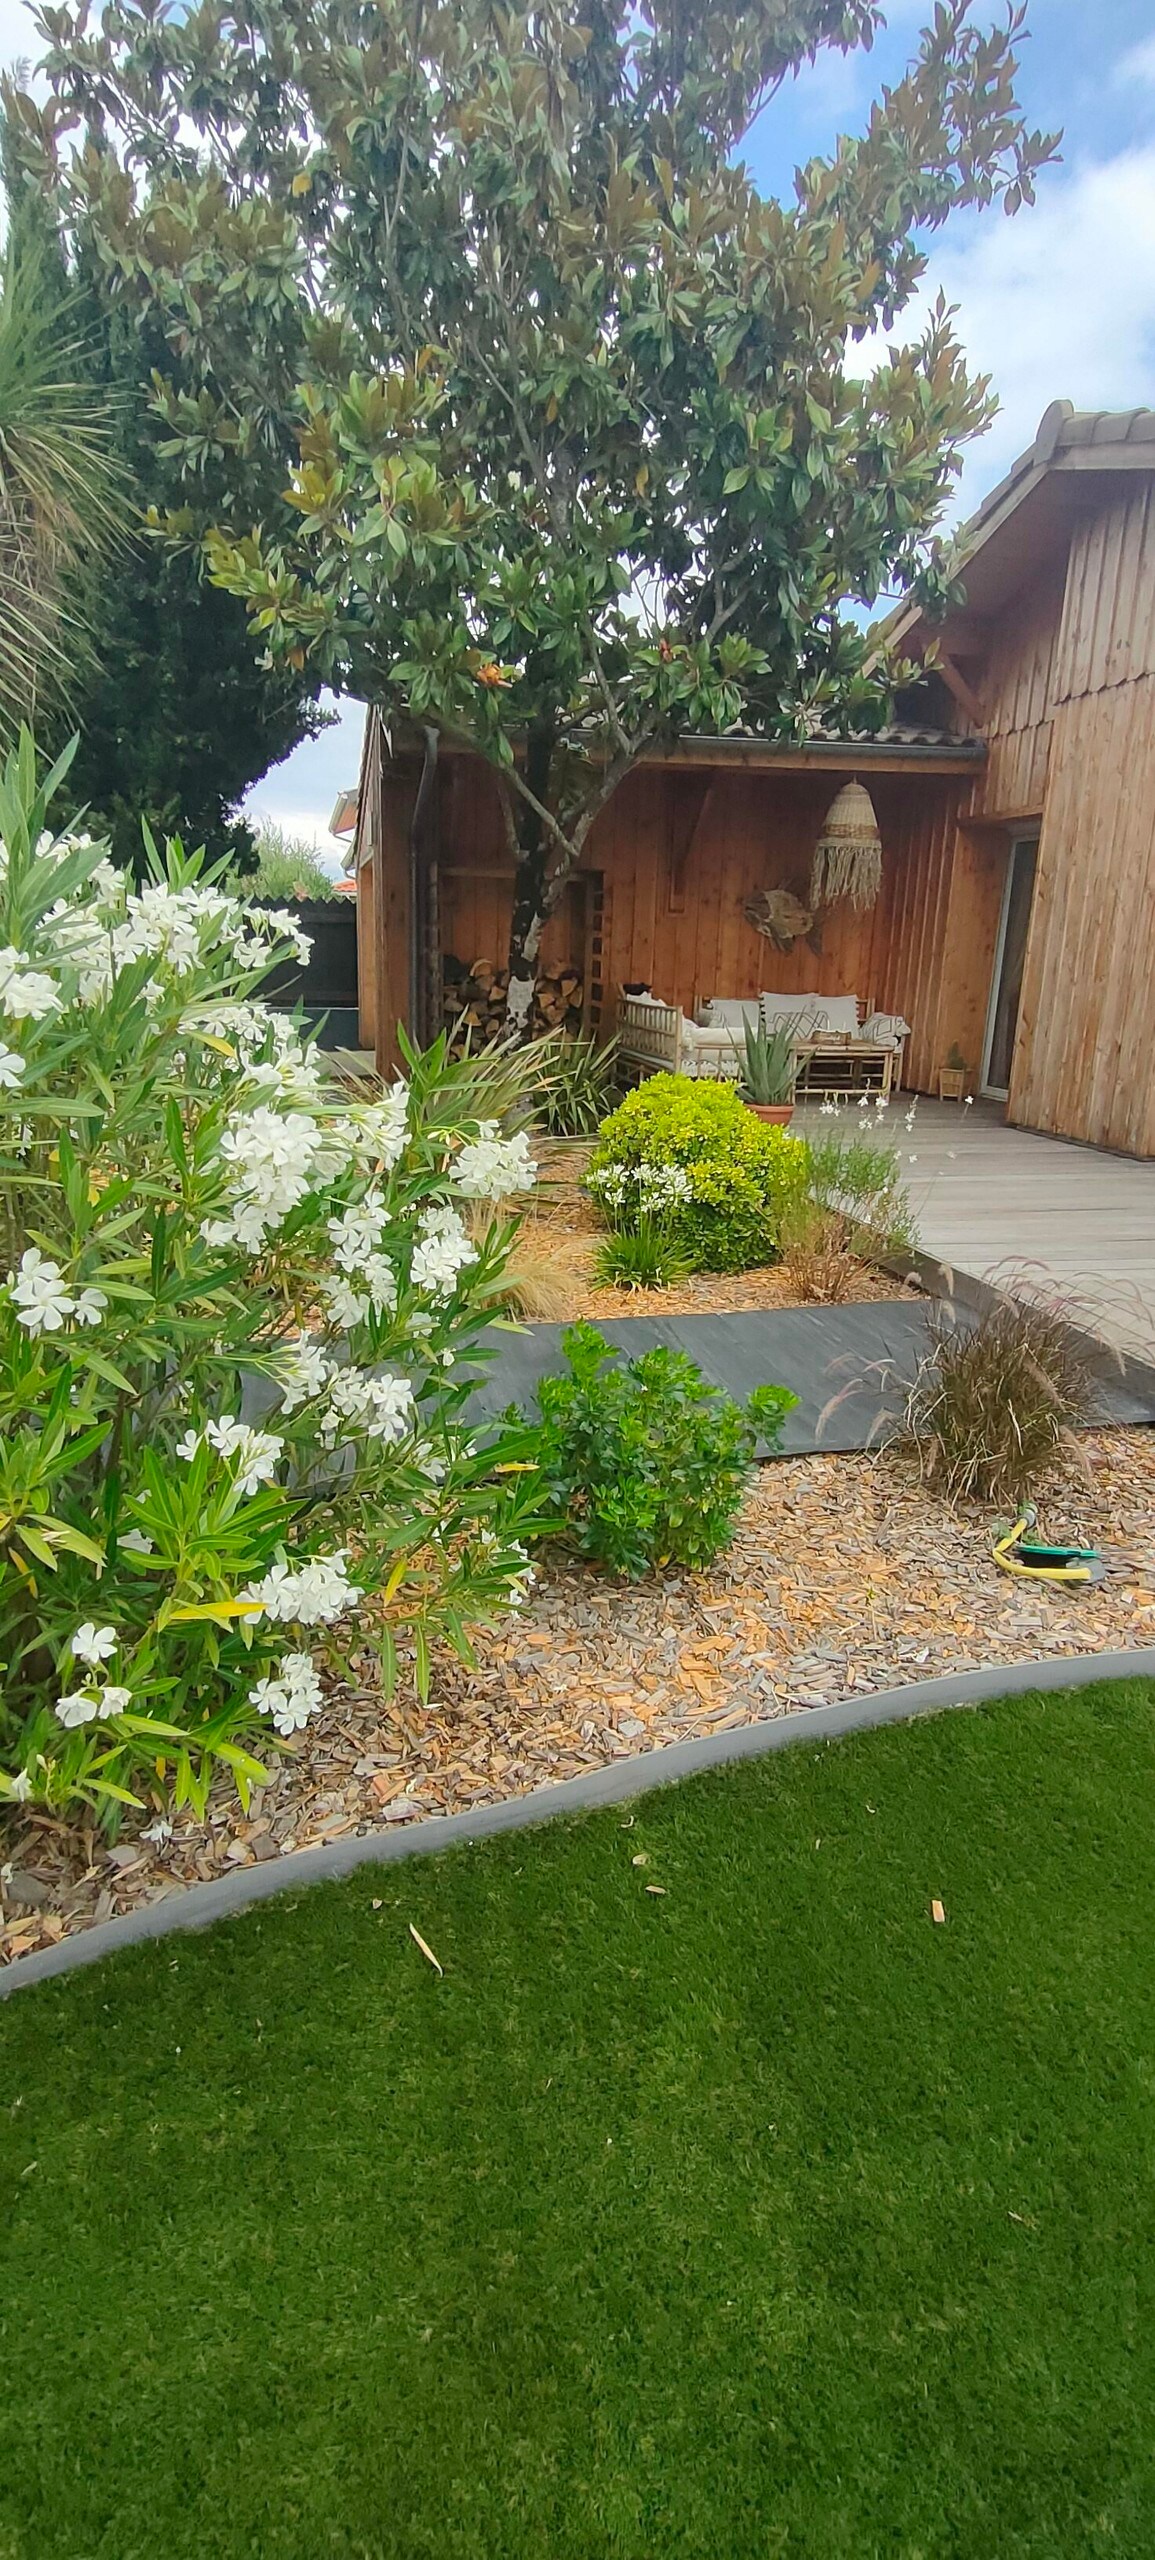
[848,855]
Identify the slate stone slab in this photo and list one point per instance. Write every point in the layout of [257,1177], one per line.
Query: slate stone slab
[846,1365]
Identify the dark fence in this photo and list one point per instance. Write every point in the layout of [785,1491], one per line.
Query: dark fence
[328,982]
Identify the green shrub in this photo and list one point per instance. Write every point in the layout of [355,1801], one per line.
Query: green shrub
[694,1154]
[646,1463]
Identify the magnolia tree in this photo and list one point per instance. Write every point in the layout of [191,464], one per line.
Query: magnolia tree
[493,384]
[236,1298]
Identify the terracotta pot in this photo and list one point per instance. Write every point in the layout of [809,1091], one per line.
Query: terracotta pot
[779,1114]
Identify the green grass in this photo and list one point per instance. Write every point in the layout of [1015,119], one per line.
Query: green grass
[760,2217]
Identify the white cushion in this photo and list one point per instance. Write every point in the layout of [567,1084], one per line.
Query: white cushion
[798,1010]
[889,1029]
[836,1013]
[731,1013]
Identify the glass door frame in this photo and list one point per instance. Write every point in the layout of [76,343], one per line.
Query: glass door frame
[1026,839]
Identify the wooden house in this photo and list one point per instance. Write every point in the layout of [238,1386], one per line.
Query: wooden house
[1015,926]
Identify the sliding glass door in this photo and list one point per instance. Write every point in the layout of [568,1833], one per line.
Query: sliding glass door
[1010,955]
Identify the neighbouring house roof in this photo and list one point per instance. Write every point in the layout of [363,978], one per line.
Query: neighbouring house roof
[1021,520]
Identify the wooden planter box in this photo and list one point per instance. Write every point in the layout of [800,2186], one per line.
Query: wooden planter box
[951,1083]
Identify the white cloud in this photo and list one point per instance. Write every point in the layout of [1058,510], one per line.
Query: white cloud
[19,41]
[1057,304]
[1138,65]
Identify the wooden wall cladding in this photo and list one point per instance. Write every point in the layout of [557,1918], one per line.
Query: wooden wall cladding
[1084,1059]
[1106,635]
[678,854]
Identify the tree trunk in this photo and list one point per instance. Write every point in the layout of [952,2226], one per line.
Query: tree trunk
[530,902]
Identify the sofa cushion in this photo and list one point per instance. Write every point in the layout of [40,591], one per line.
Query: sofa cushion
[730,1013]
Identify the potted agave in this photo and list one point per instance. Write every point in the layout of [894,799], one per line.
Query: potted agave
[767,1072]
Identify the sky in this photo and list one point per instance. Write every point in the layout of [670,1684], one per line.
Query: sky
[1058,303]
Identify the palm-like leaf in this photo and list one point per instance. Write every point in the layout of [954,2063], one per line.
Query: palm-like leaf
[61,491]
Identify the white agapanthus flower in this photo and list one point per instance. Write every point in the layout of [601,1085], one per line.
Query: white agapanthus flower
[40,1293]
[12,1068]
[20,1787]
[311,1595]
[443,1249]
[26,994]
[490,1167]
[94,1644]
[291,1698]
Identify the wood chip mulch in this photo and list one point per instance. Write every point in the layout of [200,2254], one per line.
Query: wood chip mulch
[845,1576]
[562,1234]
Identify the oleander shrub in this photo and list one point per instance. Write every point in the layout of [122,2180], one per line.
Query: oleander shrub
[691,1153]
[231,1333]
[643,1460]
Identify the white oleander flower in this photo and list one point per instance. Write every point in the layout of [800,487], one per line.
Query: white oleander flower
[257,1452]
[90,1306]
[158,1832]
[136,1543]
[381,1281]
[312,1594]
[345,1305]
[382,1128]
[443,1249]
[187,1448]
[20,1787]
[12,1068]
[357,1232]
[303,1369]
[92,1706]
[293,1697]
[381,1407]
[490,1167]
[40,1293]
[26,995]
[94,1644]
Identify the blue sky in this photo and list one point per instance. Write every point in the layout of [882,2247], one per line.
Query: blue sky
[1057,304]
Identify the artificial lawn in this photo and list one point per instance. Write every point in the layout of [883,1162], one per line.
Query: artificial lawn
[759,2216]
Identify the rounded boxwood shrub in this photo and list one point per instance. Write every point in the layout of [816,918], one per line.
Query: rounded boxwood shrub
[692,1154]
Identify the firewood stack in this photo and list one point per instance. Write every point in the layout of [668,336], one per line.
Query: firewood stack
[476,997]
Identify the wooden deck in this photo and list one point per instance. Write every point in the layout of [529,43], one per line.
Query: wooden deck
[987,1197]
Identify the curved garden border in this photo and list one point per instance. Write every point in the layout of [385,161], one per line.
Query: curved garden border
[200,1904]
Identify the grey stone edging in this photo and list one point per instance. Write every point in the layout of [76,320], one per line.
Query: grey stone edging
[196,1906]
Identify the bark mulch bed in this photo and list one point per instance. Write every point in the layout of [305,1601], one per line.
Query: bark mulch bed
[844,1576]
